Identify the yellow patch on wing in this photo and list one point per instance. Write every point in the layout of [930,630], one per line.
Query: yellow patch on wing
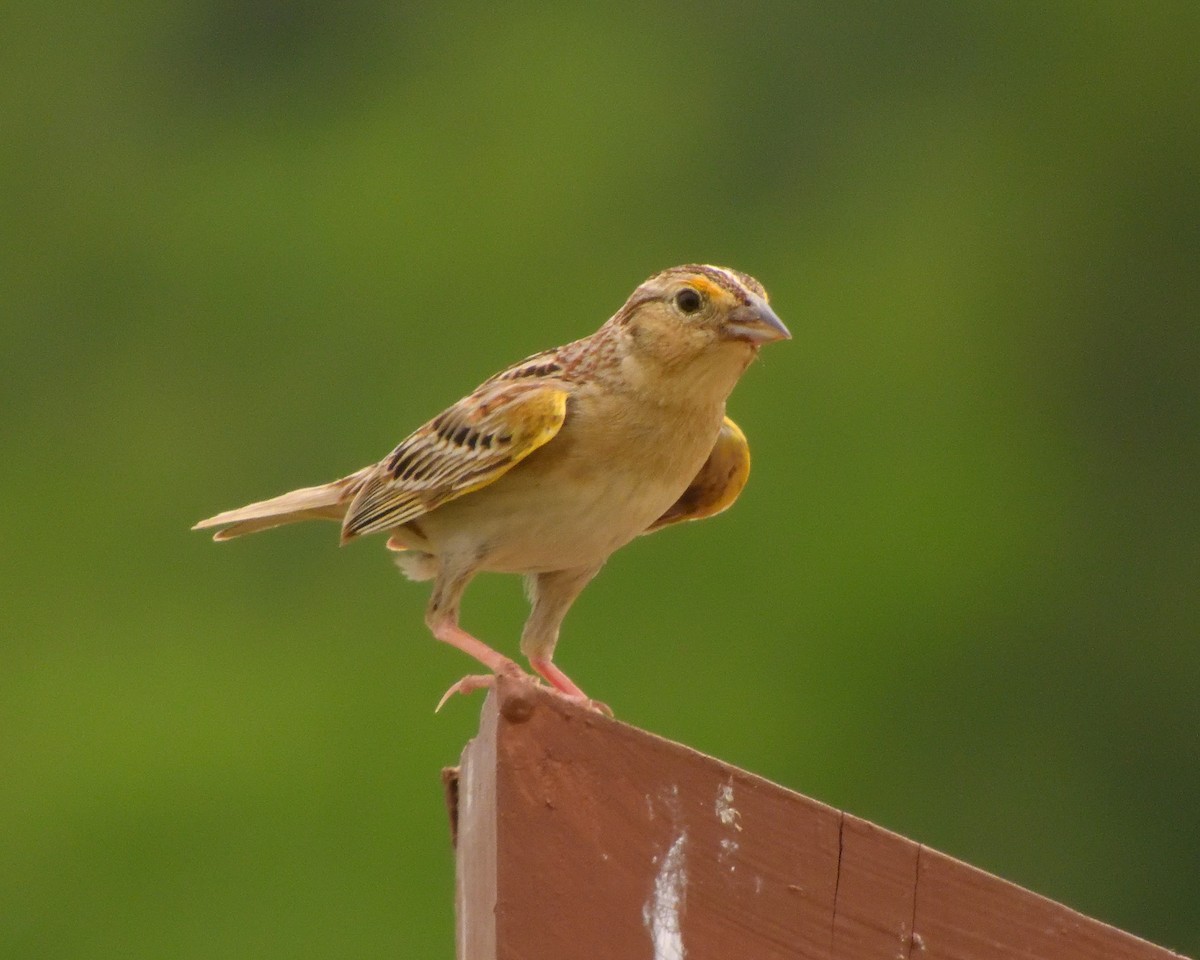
[461,450]
[718,483]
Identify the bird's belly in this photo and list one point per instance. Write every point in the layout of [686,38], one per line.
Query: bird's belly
[528,522]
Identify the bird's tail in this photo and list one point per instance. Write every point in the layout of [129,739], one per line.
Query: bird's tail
[326,502]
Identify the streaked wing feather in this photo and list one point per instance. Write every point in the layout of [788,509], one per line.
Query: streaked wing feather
[718,483]
[466,447]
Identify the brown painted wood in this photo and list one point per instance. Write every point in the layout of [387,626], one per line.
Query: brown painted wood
[580,838]
[875,903]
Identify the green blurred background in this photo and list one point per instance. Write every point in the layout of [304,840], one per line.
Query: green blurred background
[249,245]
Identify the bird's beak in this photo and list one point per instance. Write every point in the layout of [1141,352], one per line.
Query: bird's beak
[756,323]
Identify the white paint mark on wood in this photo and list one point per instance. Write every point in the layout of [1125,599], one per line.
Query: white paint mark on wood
[662,913]
[728,853]
[727,813]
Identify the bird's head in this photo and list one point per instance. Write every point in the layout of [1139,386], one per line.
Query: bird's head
[699,314]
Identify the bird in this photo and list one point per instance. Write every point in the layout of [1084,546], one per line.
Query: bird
[554,463]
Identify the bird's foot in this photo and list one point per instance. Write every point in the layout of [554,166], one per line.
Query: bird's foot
[565,687]
[598,707]
[483,681]
[595,706]
[510,671]
[468,684]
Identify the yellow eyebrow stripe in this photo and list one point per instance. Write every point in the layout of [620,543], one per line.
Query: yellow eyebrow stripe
[707,287]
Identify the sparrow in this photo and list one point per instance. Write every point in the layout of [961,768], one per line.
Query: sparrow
[554,463]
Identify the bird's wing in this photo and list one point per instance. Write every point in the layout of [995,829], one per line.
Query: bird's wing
[718,483]
[474,442]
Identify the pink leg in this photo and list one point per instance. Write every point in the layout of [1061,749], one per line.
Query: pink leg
[552,594]
[556,678]
[456,636]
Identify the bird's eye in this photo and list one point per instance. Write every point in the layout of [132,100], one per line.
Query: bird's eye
[688,300]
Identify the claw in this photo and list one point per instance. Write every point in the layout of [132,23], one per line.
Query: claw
[601,708]
[468,684]
[483,681]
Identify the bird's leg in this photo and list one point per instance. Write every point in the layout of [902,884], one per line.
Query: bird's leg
[552,595]
[442,618]
[450,632]
[556,678]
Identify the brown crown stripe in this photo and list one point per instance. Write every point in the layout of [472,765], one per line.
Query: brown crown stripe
[734,282]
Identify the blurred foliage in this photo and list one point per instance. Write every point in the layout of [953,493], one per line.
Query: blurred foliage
[249,245]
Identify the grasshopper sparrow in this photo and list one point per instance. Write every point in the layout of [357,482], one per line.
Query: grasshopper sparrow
[554,463]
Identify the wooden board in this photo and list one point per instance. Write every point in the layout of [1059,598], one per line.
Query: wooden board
[581,838]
